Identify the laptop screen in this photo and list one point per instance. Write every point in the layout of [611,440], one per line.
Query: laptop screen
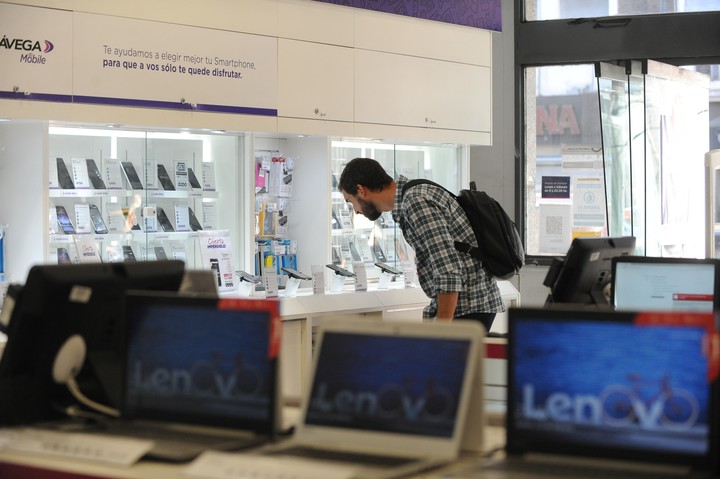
[610,384]
[385,383]
[665,284]
[201,361]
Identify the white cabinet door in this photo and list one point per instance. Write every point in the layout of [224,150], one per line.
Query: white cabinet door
[394,89]
[315,81]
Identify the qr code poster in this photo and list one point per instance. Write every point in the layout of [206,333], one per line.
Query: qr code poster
[555,228]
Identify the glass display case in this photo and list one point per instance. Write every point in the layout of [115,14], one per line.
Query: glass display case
[122,194]
[355,238]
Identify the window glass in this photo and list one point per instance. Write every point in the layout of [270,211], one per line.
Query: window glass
[561,9]
[563,152]
[354,237]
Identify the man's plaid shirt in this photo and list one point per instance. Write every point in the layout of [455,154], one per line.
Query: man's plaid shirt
[431,221]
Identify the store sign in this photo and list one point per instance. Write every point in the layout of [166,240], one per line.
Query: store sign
[54,55]
[35,51]
[132,62]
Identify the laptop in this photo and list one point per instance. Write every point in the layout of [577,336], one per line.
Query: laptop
[200,373]
[632,394]
[389,398]
[644,283]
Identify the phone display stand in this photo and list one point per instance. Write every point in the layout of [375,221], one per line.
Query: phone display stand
[245,289]
[291,287]
[337,283]
[384,280]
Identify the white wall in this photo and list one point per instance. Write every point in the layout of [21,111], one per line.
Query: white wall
[23,150]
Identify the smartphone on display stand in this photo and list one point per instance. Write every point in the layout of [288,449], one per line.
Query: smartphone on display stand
[293,273]
[378,252]
[97,220]
[341,271]
[164,220]
[64,220]
[128,254]
[194,223]
[194,183]
[63,256]
[64,178]
[160,253]
[215,267]
[131,175]
[386,268]
[164,178]
[94,174]
[250,278]
[354,252]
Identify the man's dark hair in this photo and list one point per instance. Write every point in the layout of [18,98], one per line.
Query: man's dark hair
[366,172]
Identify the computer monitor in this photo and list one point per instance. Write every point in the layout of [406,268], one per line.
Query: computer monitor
[665,284]
[586,271]
[56,302]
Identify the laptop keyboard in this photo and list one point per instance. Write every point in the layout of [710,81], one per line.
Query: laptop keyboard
[375,460]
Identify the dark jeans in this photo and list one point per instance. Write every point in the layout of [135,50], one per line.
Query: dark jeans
[485,318]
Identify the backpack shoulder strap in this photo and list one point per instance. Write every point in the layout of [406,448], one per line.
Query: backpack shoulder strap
[421,181]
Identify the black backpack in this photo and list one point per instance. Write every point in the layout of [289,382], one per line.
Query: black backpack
[499,245]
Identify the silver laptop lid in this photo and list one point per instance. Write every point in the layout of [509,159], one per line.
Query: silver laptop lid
[401,388]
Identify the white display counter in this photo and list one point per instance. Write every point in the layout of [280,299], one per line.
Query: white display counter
[306,310]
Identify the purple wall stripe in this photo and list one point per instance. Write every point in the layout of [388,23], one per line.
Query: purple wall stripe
[98,100]
[484,14]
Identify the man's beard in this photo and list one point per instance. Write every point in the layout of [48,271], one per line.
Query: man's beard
[369,210]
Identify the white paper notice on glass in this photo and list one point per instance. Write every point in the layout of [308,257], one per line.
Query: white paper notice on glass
[53,182]
[113,175]
[82,218]
[360,276]
[208,176]
[87,249]
[182,218]
[209,216]
[80,173]
[116,220]
[270,282]
[152,181]
[177,251]
[588,202]
[181,175]
[555,228]
[217,255]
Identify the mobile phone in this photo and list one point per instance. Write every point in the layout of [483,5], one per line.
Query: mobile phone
[94,174]
[98,223]
[287,179]
[194,183]
[215,267]
[64,178]
[128,253]
[340,271]
[293,273]
[354,252]
[63,256]
[387,268]
[64,220]
[131,175]
[251,278]
[378,252]
[164,178]
[283,220]
[194,223]
[164,220]
[160,253]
